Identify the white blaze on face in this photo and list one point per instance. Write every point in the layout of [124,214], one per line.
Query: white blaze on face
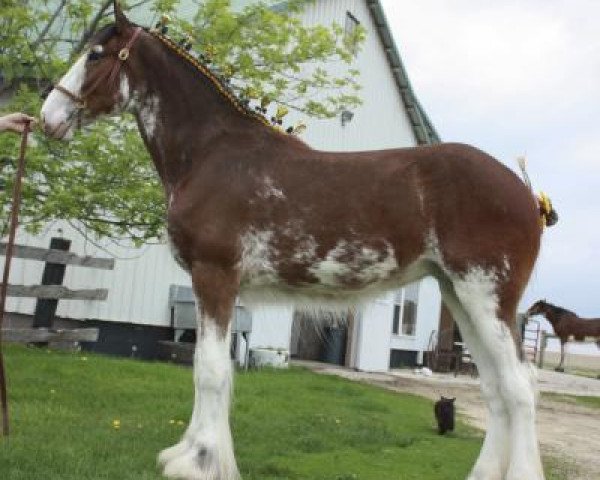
[58,111]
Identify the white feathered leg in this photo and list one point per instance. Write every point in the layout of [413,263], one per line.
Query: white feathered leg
[206,450]
[510,450]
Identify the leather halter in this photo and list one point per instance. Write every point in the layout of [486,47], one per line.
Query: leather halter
[80,100]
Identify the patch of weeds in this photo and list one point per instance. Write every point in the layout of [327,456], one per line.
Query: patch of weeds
[584,400]
[560,468]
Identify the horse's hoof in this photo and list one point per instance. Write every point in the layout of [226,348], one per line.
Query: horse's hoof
[171,453]
[198,462]
[559,369]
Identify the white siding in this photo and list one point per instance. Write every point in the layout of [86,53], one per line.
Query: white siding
[428,315]
[271,327]
[375,330]
[374,333]
[381,122]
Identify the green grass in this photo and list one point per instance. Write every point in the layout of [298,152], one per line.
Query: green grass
[579,371]
[287,424]
[562,468]
[584,372]
[586,401]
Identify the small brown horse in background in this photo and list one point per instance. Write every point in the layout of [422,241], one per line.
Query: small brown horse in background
[256,213]
[567,326]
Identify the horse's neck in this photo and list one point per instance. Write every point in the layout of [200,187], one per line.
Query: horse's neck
[555,314]
[551,314]
[181,115]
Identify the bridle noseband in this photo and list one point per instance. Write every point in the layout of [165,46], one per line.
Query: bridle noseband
[123,55]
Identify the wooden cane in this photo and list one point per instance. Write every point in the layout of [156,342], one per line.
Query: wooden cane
[14,221]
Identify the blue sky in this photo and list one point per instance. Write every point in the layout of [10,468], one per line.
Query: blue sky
[521,78]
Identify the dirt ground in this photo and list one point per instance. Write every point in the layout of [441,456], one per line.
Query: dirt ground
[568,432]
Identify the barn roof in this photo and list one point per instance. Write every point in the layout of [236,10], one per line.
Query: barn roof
[422,127]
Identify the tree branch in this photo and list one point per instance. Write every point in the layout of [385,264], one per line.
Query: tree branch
[91,29]
[48,25]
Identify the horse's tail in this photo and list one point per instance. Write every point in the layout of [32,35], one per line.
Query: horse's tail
[548,215]
[522,161]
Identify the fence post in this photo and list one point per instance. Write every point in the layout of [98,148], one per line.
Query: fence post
[543,345]
[54,273]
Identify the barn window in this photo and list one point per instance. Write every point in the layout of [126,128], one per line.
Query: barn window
[350,28]
[405,311]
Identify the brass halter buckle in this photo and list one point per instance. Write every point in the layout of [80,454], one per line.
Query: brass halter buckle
[124,54]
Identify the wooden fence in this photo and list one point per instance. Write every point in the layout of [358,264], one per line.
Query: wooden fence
[56,259]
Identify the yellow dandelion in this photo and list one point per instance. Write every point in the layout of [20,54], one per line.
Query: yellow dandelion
[116,424]
[172,422]
[52,391]
[84,359]
[180,422]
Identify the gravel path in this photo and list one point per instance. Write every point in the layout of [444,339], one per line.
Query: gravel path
[567,430]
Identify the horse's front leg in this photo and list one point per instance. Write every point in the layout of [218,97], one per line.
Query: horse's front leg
[206,449]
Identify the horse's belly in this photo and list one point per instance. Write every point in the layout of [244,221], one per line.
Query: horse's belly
[350,268]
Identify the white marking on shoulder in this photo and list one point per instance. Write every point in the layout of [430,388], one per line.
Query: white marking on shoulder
[124,91]
[506,265]
[256,262]
[148,112]
[270,190]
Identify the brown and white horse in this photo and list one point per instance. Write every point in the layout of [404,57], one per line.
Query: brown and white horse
[257,213]
[567,325]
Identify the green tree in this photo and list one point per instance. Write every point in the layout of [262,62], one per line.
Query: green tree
[103,181]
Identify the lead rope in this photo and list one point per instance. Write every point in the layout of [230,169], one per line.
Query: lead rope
[14,221]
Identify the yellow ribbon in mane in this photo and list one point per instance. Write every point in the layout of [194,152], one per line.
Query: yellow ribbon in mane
[545,205]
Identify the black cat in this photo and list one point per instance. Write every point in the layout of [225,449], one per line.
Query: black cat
[444,414]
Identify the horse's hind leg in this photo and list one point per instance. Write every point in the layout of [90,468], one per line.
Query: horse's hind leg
[206,450]
[510,450]
[493,459]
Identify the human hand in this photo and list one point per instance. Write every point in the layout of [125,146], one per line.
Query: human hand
[15,122]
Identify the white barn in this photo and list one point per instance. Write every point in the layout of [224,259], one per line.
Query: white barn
[390,331]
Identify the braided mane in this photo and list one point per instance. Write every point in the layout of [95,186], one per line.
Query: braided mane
[220,85]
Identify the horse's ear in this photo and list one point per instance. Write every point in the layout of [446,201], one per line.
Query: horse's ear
[120,19]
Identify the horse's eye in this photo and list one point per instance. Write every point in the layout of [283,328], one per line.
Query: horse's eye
[95,53]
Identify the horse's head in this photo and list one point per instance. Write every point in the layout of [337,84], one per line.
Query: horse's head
[96,83]
[538,308]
